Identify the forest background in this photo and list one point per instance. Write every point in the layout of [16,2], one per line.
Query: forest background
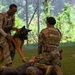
[62,10]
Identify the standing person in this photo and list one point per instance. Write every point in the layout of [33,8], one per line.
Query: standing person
[7,20]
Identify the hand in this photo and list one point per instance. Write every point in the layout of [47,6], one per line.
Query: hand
[32,59]
[8,28]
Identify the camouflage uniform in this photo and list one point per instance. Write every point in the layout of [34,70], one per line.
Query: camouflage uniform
[49,39]
[5,21]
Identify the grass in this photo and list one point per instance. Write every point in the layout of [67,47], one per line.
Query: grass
[68,61]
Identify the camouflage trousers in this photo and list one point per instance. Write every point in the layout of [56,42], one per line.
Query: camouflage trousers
[48,58]
[6,52]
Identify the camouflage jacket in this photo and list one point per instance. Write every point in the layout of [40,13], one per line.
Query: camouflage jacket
[48,38]
[5,21]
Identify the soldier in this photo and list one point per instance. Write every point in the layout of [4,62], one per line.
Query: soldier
[44,62]
[7,20]
[48,44]
[6,24]
[49,39]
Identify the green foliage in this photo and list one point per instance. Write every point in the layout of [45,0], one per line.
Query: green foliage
[30,11]
[46,10]
[65,19]
[65,22]
[19,22]
[2,8]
